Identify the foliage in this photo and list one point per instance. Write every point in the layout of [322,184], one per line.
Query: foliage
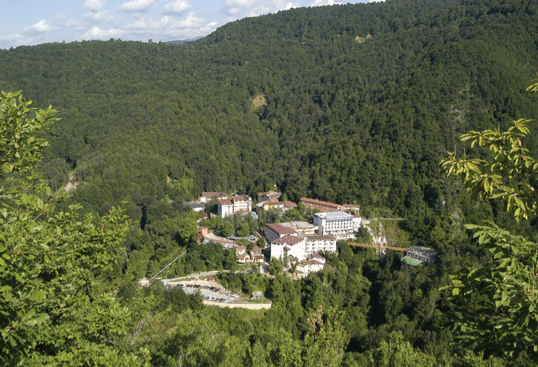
[275,267]
[505,177]
[496,304]
[51,262]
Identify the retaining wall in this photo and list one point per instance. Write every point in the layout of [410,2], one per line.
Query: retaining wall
[248,306]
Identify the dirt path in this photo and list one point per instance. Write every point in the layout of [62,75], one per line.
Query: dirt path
[71,184]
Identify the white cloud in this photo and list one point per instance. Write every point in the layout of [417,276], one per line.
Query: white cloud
[94,5]
[40,27]
[272,7]
[177,7]
[325,2]
[168,28]
[136,6]
[233,7]
[99,16]
[98,33]
[78,25]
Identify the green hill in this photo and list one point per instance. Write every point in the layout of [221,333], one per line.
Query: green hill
[348,103]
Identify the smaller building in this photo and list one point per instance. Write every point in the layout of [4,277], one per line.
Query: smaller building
[207,196]
[422,254]
[271,196]
[289,204]
[305,267]
[269,205]
[256,251]
[351,207]
[257,295]
[243,259]
[301,227]
[260,259]
[240,250]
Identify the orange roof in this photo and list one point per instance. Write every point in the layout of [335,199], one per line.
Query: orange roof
[225,202]
[319,202]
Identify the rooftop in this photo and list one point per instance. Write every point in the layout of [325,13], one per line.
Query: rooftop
[290,240]
[319,202]
[298,225]
[240,198]
[269,193]
[225,202]
[334,215]
[280,229]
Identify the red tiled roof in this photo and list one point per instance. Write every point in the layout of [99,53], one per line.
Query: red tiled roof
[314,256]
[239,248]
[290,240]
[280,229]
[290,203]
[240,198]
[319,202]
[225,202]
[242,257]
[313,262]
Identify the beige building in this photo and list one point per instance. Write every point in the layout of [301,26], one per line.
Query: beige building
[301,227]
[238,204]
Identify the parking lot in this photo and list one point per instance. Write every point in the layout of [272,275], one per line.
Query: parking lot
[209,293]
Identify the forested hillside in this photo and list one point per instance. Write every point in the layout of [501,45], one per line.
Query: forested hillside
[348,103]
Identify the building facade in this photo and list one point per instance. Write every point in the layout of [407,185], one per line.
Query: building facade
[338,224]
[294,246]
[315,244]
[225,207]
[274,231]
[238,204]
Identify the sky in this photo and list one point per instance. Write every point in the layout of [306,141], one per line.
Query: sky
[31,22]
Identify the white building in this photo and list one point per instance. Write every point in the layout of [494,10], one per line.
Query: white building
[338,224]
[238,204]
[301,227]
[312,264]
[275,231]
[357,220]
[242,204]
[294,246]
[207,196]
[315,244]
[225,207]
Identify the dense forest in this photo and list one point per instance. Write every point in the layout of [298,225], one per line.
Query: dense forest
[347,103]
